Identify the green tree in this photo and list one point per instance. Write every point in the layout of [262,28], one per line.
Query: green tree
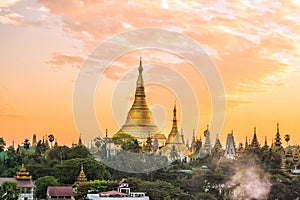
[68,171]
[2,144]
[155,189]
[9,191]
[205,196]
[59,153]
[97,186]
[26,144]
[127,142]
[131,145]
[13,159]
[79,152]
[42,184]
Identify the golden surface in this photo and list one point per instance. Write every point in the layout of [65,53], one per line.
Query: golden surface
[139,122]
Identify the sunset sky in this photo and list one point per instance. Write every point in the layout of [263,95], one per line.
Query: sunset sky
[255,45]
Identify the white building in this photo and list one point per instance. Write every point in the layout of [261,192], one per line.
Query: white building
[230,147]
[24,182]
[123,193]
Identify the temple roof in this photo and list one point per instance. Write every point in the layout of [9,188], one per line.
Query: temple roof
[60,191]
[20,183]
[81,178]
[22,174]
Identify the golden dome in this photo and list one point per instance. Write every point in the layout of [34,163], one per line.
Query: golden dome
[139,122]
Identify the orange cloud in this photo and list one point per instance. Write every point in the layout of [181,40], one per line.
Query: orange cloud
[61,60]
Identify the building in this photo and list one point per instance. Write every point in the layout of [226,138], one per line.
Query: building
[217,151]
[174,148]
[24,182]
[207,144]
[230,147]
[81,186]
[123,193]
[139,122]
[60,192]
[255,144]
[278,139]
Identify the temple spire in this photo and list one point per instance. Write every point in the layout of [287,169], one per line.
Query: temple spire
[174,127]
[277,138]
[266,143]
[255,144]
[140,81]
[139,120]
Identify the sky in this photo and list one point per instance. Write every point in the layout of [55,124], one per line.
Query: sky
[254,45]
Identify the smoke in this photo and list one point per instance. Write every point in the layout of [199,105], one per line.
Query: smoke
[248,181]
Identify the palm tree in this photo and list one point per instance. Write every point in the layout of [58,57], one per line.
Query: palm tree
[51,139]
[287,139]
[9,190]
[26,144]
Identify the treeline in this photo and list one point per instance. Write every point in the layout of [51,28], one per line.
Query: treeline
[207,178]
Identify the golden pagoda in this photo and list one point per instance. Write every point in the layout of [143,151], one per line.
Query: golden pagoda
[139,122]
[81,178]
[23,174]
[175,140]
[81,185]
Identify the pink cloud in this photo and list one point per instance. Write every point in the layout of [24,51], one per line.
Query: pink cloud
[61,60]
[243,38]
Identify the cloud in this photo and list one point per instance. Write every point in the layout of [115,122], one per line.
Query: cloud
[8,3]
[13,115]
[235,101]
[60,60]
[8,106]
[11,18]
[255,44]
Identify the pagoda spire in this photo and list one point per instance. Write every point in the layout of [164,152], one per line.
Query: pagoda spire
[139,120]
[81,184]
[140,81]
[246,143]
[81,178]
[174,129]
[22,174]
[277,138]
[255,144]
[266,143]
[194,137]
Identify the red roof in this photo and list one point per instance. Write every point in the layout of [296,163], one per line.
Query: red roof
[113,193]
[60,191]
[21,183]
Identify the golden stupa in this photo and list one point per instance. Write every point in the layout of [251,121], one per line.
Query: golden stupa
[139,122]
[175,141]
